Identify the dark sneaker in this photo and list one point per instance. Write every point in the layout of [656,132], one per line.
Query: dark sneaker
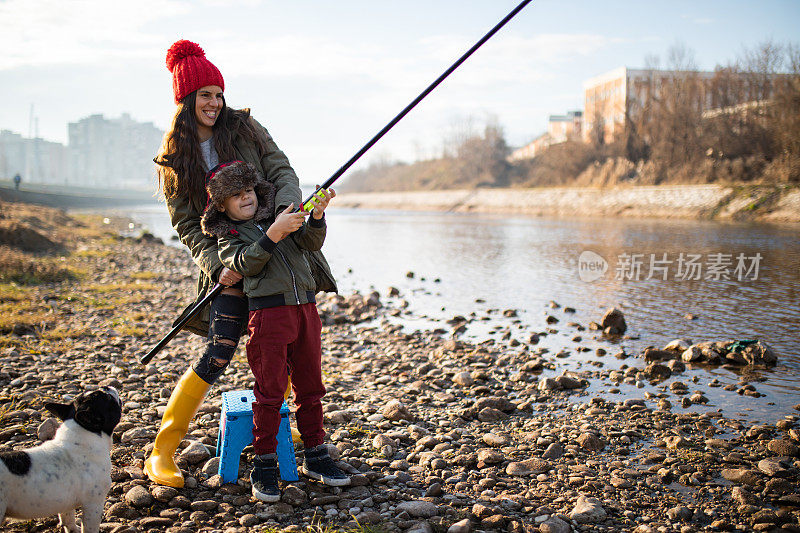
[264,478]
[319,465]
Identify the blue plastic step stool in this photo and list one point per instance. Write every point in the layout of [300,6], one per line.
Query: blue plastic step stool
[236,432]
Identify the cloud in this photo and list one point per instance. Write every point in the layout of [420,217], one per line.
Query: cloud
[39,33]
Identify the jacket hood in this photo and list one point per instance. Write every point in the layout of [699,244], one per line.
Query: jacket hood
[227,180]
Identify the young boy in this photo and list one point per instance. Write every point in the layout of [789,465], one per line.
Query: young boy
[284,327]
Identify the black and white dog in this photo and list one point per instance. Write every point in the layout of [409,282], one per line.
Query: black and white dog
[72,470]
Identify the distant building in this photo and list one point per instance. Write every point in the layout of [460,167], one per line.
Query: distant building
[113,153]
[564,128]
[611,99]
[107,153]
[560,128]
[34,159]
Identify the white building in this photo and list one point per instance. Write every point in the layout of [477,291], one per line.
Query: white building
[34,159]
[113,153]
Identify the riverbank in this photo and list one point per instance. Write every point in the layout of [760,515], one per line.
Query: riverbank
[741,203]
[439,434]
[65,197]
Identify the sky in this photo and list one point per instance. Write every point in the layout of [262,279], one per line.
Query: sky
[324,76]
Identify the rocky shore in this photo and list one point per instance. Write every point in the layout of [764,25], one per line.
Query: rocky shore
[439,434]
[737,203]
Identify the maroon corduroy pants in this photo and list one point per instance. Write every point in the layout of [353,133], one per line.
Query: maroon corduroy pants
[286,340]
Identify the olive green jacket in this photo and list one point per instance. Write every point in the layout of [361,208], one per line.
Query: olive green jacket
[274,274]
[185,215]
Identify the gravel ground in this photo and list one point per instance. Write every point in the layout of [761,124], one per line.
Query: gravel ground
[438,434]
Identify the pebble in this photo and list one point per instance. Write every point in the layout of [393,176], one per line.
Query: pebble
[462,526]
[554,525]
[587,510]
[396,410]
[590,441]
[196,452]
[418,508]
[138,496]
[528,467]
[47,429]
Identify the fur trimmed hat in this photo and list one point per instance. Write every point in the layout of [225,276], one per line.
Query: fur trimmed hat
[229,179]
[190,69]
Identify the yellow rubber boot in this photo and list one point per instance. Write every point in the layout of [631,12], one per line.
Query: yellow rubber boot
[295,434]
[186,398]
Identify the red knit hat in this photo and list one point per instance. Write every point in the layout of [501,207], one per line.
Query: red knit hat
[190,69]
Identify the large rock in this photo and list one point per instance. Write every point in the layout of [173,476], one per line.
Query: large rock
[657,371]
[138,496]
[774,467]
[554,451]
[137,433]
[784,448]
[554,525]
[614,322]
[591,442]
[588,511]
[490,414]
[489,456]
[741,475]
[418,508]
[464,379]
[548,384]
[162,493]
[462,526]
[196,452]
[759,354]
[528,467]
[652,355]
[47,429]
[678,345]
[396,410]
[569,382]
[692,354]
[495,402]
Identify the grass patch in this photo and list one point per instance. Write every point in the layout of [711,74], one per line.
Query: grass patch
[62,333]
[145,275]
[106,288]
[92,253]
[134,331]
[17,318]
[14,292]
[317,527]
[26,269]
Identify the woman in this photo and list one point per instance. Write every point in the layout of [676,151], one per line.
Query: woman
[205,132]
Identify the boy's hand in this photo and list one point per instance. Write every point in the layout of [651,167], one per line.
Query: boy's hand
[286,223]
[321,201]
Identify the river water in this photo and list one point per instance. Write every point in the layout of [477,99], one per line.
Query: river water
[739,281]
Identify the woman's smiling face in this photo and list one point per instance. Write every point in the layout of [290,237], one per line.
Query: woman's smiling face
[208,105]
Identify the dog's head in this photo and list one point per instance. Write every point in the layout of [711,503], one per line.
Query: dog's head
[98,411]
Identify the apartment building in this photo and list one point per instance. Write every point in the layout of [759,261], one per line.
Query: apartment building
[612,98]
[560,128]
[113,153]
[36,160]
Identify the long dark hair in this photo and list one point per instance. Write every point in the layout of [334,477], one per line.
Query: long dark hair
[179,161]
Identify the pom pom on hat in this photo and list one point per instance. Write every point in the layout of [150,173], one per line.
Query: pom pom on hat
[190,69]
[180,50]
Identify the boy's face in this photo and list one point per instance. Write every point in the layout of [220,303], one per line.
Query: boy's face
[241,206]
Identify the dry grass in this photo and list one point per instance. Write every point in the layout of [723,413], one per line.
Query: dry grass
[27,269]
[108,288]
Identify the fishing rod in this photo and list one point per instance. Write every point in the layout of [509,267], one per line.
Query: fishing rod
[308,203]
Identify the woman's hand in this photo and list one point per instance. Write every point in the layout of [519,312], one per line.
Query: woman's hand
[320,203]
[228,277]
[286,223]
